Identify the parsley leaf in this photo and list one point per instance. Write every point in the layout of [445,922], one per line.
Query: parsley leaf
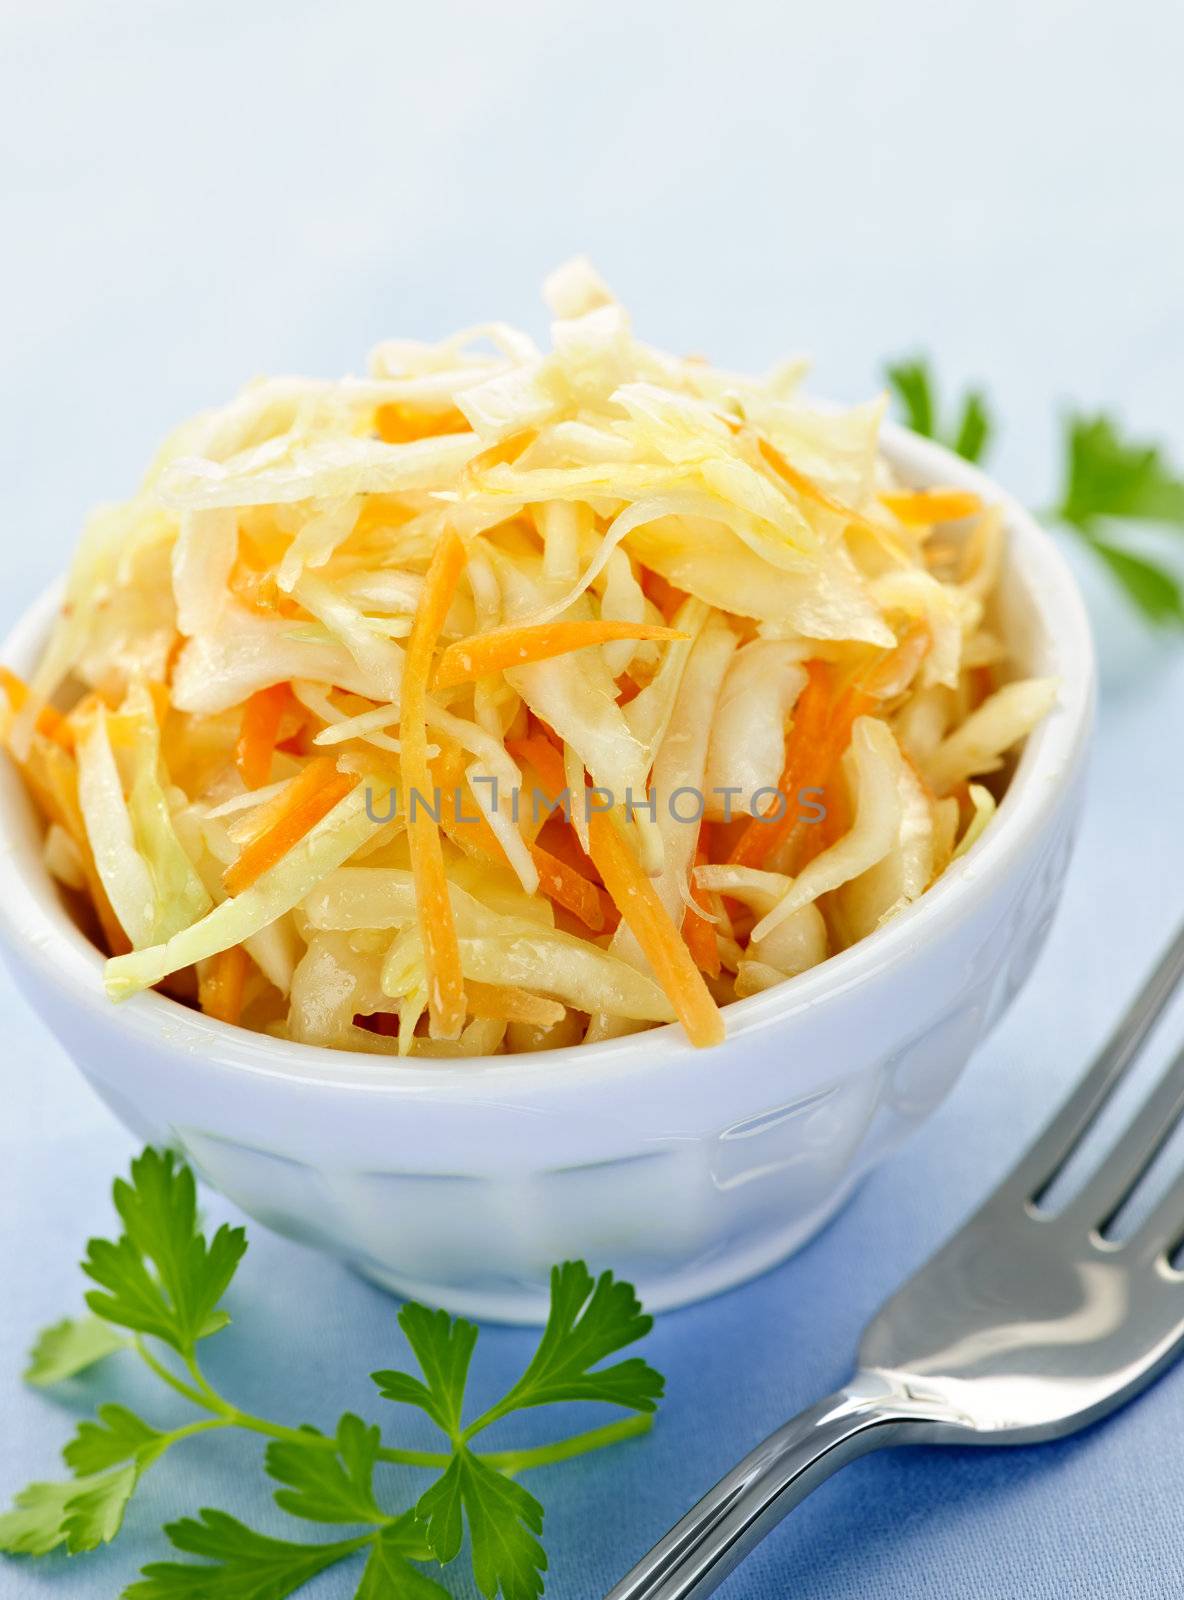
[913,387]
[443,1346]
[246,1565]
[588,1320]
[81,1513]
[328,1486]
[1107,479]
[70,1347]
[913,384]
[586,1323]
[162,1277]
[1152,588]
[503,1519]
[118,1435]
[389,1574]
[975,427]
[1107,476]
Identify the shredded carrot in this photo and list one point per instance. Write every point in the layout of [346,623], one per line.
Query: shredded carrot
[53,774]
[161,698]
[446,990]
[284,821]
[802,768]
[536,750]
[663,594]
[484,653]
[385,1023]
[928,506]
[504,1001]
[812,838]
[49,720]
[470,830]
[818,736]
[397,424]
[253,576]
[505,450]
[982,685]
[698,932]
[558,838]
[561,883]
[262,715]
[805,486]
[639,905]
[892,671]
[546,760]
[559,880]
[220,987]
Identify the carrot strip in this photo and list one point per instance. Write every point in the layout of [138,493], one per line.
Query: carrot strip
[284,821]
[305,782]
[927,506]
[253,581]
[805,486]
[505,1002]
[495,651]
[161,698]
[820,732]
[49,720]
[505,450]
[698,932]
[398,424]
[262,716]
[558,879]
[536,750]
[472,834]
[568,888]
[661,942]
[385,1023]
[663,594]
[446,990]
[52,775]
[802,767]
[220,988]
[542,755]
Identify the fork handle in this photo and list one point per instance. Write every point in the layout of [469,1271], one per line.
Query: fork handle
[715,1536]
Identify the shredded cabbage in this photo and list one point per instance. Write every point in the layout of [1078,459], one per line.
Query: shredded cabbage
[979,744]
[693,589]
[878,812]
[748,733]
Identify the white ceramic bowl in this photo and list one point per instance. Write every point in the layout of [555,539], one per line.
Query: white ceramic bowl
[685,1171]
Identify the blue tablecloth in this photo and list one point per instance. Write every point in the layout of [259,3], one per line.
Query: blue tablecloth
[1099,1514]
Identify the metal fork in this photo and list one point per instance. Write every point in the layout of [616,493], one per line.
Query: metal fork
[1027,1325]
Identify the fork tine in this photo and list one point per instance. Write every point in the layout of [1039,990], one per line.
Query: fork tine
[1042,1162]
[1163,1232]
[1104,1195]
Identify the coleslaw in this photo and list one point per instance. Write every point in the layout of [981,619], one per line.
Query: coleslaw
[507,698]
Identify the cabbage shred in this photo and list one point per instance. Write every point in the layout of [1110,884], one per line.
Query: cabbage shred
[228,664]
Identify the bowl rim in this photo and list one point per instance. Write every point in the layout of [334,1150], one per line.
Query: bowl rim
[35,921]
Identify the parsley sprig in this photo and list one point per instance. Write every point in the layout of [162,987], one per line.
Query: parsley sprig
[1109,484]
[158,1292]
[912,383]
[1110,481]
